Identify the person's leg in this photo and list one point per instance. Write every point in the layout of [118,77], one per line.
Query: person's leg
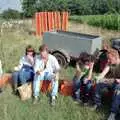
[36,84]
[115,104]
[87,91]
[116,100]
[25,75]
[77,84]
[98,93]
[54,80]
[36,87]
[15,78]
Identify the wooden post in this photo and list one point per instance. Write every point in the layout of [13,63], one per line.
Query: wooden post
[64,21]
[50,21]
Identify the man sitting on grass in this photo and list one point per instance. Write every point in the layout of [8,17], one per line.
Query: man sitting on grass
[46,68]
[112,70]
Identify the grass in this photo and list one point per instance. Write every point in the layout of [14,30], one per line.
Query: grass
[11,108]
[111,22]
[12,45]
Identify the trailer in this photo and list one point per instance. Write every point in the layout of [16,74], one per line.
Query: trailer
[67,46]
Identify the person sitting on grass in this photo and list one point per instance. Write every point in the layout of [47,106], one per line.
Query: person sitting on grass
[115,108]
[1,72]
[46,68]
[83,77]
[24,71]
[112,70]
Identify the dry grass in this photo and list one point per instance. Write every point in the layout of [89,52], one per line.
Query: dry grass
[107,35]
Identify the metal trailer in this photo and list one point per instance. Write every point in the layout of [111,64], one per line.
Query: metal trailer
[67,46]
[116,44]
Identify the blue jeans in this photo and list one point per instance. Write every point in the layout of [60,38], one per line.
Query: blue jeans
[78,83]
[44,76]
[116,100]
[24,75]
[100,88]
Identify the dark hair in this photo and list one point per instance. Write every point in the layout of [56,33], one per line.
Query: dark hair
[30,48]
[85,57]
[43,47]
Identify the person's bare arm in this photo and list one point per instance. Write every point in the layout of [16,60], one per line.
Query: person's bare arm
[78,70]
[90,71]
[105,71]
[100,77]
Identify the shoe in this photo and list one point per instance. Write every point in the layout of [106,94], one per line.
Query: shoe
[111,116]
[0,90]
[53,101]
[78,101]
[86,104]
[95,108]
[36,100]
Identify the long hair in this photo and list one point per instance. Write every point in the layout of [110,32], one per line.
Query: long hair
[30,48]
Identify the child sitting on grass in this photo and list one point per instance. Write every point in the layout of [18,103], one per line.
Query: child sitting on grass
[82,77]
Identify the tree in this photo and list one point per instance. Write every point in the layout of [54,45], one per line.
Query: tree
[11,14]
[78,7]
[28,7]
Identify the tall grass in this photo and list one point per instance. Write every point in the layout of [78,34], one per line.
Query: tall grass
[111,22]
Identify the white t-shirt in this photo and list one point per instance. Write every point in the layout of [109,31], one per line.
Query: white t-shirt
[51,66]
[23,61]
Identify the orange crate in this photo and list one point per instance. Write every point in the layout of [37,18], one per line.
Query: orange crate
[5,79]
[66,88]
[45,86]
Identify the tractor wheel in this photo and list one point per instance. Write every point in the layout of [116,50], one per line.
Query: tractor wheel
[61,59]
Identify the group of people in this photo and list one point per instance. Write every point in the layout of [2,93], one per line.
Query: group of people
[35,68]
[94,85]
[87,86]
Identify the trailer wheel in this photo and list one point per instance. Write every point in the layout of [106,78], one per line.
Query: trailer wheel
[61,59]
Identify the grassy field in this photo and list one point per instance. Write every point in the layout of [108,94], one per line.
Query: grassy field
[111,22]
[12,45]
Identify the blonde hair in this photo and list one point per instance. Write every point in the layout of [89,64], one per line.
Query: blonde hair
[113,53]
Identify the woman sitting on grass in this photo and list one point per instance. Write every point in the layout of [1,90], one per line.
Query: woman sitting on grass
[24,71]
[82,78]
[112,70]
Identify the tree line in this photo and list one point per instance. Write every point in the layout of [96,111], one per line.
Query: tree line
[74,7]
[78,7]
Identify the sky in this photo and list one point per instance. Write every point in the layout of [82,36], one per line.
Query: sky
[13,4]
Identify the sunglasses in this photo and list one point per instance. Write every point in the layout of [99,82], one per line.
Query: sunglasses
[30,51]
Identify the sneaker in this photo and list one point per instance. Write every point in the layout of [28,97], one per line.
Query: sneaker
[36,100]
[86,104]
[53,101]
[78,101]
[111,116]
[0,90]
[95,108]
